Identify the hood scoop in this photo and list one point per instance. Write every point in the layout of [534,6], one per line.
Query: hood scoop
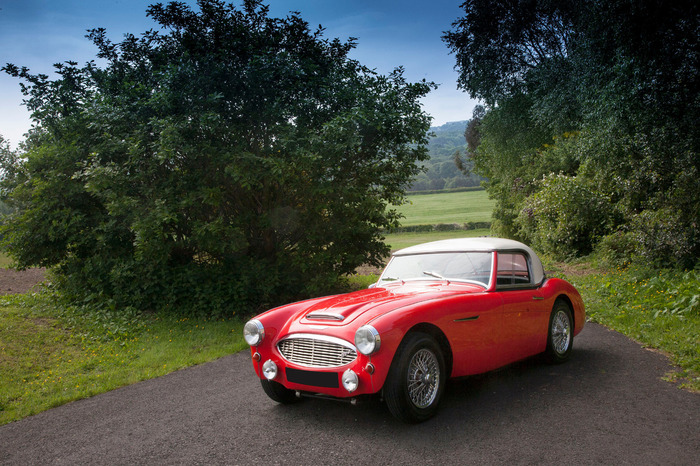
[325,316]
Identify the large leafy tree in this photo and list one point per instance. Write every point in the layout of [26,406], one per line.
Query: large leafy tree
[228,161]
[606,91]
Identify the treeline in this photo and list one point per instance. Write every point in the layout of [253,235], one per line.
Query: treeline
[588,135]
[440,171]
[442,227]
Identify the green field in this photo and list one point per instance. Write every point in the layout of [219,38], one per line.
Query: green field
[459,207]
[403,240]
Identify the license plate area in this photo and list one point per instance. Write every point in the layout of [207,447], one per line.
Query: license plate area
[313,379]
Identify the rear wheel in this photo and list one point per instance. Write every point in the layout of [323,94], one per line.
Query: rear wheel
[278,392]
[416,379]
[560,338]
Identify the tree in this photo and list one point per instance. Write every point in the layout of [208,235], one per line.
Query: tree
[607,91]
[230,161]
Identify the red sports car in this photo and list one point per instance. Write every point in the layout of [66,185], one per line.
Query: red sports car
[443,309]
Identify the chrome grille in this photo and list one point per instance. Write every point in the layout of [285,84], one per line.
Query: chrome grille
[317,351]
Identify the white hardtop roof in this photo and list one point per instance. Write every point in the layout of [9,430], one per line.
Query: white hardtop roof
[465,244]
[485,244]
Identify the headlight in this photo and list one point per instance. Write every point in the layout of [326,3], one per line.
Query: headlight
[367,340]
[270,369]
[253,332]
[350,381]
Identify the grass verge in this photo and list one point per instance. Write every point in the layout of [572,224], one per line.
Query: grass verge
[659,309]
[50,355]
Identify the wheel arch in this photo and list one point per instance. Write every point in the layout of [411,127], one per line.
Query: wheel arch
[567,301]
[439,337]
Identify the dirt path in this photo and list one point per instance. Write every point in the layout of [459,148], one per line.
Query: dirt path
[20,281]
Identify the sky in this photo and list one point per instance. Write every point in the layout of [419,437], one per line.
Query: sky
[390,33]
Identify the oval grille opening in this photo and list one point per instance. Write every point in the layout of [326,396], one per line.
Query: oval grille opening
[316,352]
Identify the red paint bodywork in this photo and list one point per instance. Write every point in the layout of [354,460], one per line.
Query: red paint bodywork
[483,329]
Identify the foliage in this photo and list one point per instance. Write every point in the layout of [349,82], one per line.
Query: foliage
[440,171]
[605,91]
[617,249]
[565,216]
[508,153]
[226,163]
[52,353]
[658,308]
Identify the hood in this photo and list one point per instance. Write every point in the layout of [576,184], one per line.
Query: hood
[343,310]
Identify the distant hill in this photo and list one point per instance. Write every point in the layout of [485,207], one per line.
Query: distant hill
[442,173]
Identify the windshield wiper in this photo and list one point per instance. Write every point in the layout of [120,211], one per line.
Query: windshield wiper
[387,279]
[433,274]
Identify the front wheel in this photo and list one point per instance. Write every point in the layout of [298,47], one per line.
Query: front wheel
[278,392]
[416,379]
[560,337]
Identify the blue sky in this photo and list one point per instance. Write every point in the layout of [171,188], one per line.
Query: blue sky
[391,33]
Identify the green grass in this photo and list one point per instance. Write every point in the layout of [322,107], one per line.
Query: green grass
[659,309]
[459,207]
[433,209]
[404,240]
[50,355]
[5,261]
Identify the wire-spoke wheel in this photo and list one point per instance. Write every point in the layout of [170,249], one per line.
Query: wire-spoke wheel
[560,338]
[416,379]
[423,378]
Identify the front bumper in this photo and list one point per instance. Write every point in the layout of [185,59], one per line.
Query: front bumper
[326,381]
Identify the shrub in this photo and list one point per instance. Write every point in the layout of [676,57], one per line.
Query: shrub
[566,217]
[663,240]
[618,249]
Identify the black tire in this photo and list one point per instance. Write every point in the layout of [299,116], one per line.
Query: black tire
[560,335]
[278,392]
[416,379]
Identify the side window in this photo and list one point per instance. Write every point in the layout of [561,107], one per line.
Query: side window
[512,270]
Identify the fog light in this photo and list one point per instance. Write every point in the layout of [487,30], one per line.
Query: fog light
[350,381]
[270,369]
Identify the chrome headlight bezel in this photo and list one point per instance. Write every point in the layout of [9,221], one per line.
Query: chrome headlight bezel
[367,340]
[253,332]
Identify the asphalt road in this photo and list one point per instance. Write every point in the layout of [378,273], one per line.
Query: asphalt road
[607,405]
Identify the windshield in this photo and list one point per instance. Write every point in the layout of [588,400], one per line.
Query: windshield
[473,267]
